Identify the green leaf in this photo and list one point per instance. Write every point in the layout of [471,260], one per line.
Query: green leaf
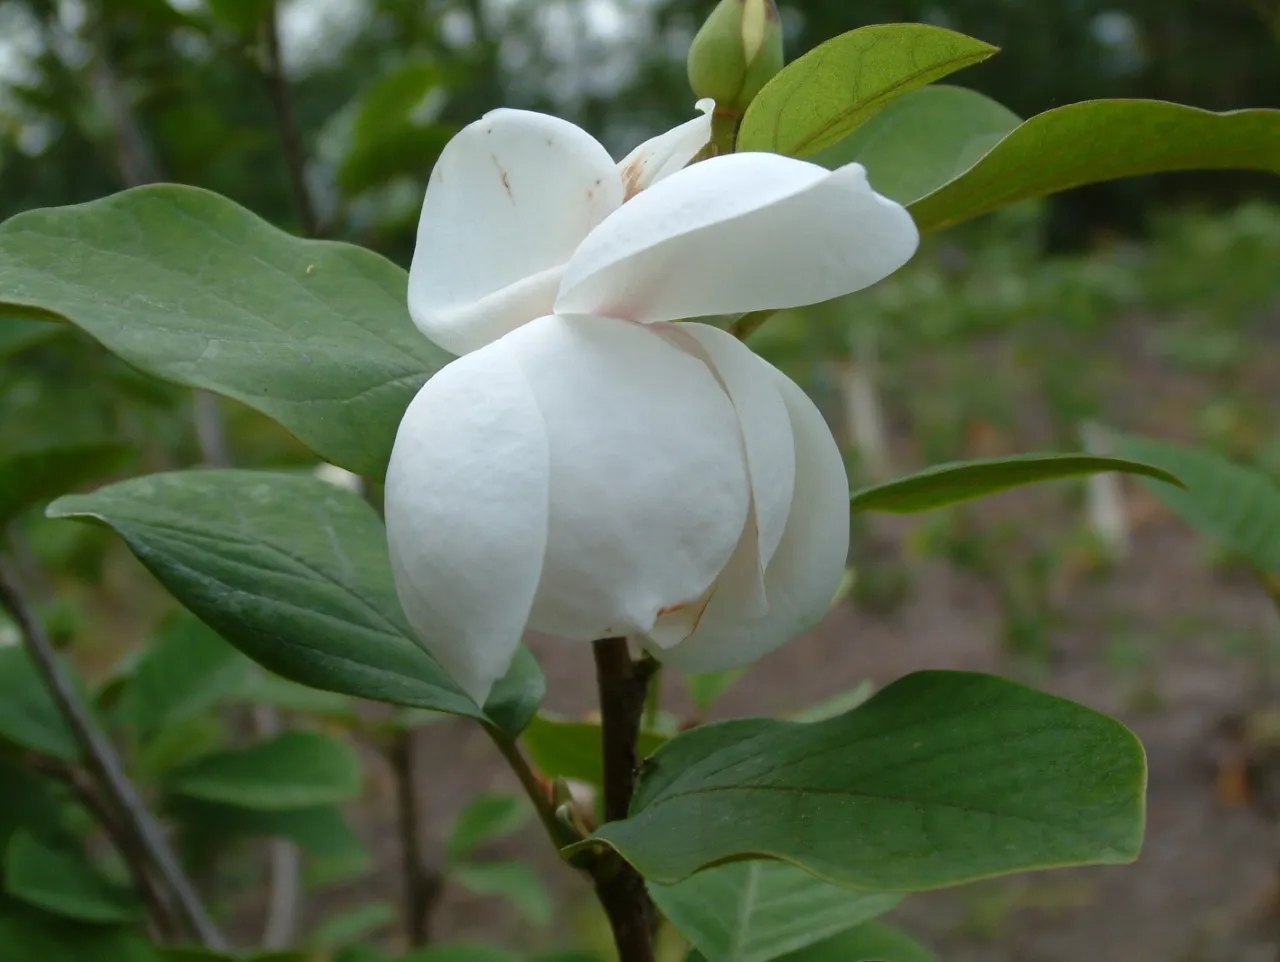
[187,670]
[922,140]
[322,831]
[1229,503]
[29,717]
[32,475]
[1101,140]
[568,749]
[62,881]
[292,770]
[872,942]
[461,952]
[190,953]
[835,705]
[30,936]
[294,572]
[820,98]
[353,924]
[516,696]
[264,688]
[756,911]
[193,288]
[394,129]
[964,480]
[514,881]
[28,801]
[941,778]
[242,16]
[19,333]
[486,818]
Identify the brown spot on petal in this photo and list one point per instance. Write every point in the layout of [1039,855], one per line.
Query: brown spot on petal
[632,175]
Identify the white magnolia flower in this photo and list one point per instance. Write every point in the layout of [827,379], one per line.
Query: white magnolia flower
[590,469]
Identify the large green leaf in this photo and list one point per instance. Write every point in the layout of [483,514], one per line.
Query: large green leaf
[939,779]
[1101,140]
[569,749]
[294,572]
[62,881]
[923,139]
[815,101]
[963,480]
[755,911]
[872,942]
[192,288]
[29,717]
[1232,504]
[31,475]
[186,670]
[293,770]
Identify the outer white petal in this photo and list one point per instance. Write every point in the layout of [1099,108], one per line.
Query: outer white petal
[805,571]
[466,512]
[738,233]
[663,155]
[509,200]
[648,493]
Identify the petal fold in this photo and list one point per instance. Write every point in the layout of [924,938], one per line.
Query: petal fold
[509,200]
[648,492]
[663,155]
[738,233]
[466,512]
[805,571]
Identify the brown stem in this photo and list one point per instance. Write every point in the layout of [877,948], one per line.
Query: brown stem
[624,686]
[422,885]
[533,787]
[103,762]
[287,123]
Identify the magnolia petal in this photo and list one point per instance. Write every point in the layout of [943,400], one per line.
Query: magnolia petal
[663,155]
[737,233]
[509,200]
[805,571]
[648,492]
[766,427]
[466,513]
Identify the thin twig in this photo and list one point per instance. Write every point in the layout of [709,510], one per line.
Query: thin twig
[532,785]
[423,885]
[624,686]
[100,756]
[295,161]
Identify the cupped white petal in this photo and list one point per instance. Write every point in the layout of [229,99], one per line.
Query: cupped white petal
[737,233]
[663,155]
[509,200]
[805,571]
[466,512]
[648,492]
[766,426]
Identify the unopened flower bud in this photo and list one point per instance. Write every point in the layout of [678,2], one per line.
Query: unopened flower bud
[737,51]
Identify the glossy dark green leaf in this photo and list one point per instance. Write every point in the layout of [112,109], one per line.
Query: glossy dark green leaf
[817,100]
[486,818]
[1101,140]
[569,749]
[293,770]
[188,669]
[29,717]
[30,476]
[939,779]
[514,881]
[964,480]
[294,572]
[193,288]
[1232,504]
[756,911]
[922,140]
[60,880]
